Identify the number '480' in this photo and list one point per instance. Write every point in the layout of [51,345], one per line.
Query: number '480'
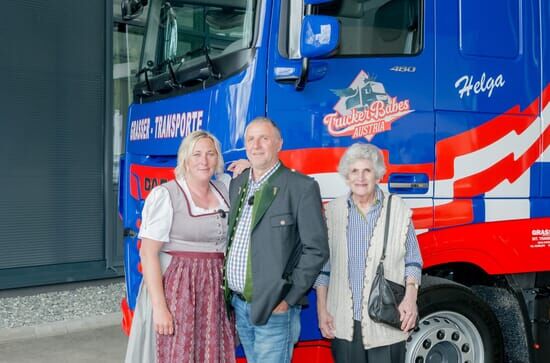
[403,69]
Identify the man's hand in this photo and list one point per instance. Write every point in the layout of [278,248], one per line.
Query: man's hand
[281,308]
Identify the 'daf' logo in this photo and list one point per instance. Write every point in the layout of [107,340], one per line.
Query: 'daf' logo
[364,109]
[150,183]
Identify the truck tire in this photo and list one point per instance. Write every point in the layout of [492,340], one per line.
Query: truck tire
[508,312]
[455,326]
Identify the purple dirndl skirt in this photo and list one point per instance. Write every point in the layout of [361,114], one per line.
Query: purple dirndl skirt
[202,330]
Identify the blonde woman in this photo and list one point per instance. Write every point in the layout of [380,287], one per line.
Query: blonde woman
[180,315]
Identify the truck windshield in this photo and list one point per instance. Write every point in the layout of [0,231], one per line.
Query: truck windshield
[181,32]
[367,28]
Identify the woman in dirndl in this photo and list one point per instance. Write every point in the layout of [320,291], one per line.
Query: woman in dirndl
[180,315]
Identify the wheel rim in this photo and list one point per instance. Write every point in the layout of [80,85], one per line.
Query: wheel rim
[445,337]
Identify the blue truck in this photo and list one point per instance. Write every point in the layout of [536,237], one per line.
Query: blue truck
[455,92]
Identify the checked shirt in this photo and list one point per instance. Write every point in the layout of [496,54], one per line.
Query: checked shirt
[238,252]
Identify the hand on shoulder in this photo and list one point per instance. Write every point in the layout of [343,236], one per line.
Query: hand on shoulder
[237,167]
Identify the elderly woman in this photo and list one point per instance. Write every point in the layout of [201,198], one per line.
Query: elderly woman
[356,224]
[180,315]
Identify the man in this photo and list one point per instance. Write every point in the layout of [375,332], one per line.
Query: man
[277,246]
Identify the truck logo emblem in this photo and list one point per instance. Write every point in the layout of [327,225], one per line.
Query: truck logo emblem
[364,109]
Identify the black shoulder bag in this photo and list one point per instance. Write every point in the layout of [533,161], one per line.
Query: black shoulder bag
[385,295]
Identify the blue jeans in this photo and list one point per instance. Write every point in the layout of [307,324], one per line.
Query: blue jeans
[269,343]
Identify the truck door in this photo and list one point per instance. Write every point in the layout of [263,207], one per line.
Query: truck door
[489,133]
[377,87]
[490,97]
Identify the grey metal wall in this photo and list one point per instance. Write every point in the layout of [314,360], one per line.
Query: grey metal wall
[52,118]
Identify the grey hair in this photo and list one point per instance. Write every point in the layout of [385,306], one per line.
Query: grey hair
[267,120]
[187,146]
[361,151]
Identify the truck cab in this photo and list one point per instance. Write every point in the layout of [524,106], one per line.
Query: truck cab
[456,93]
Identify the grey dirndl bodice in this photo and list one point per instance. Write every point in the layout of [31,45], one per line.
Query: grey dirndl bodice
[196,233]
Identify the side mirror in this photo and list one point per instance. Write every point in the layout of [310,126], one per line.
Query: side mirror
[131,9]
[320,35]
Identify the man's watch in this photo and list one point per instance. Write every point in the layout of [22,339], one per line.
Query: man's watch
[413,284]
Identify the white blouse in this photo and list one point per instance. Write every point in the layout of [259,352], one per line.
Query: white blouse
[157,213]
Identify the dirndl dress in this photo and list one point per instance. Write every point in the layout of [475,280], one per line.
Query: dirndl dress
[192,263]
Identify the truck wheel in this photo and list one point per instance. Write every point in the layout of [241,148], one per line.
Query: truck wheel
[455,327]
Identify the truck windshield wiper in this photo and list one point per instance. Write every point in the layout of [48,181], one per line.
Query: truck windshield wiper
[152,68]
[194,52]
[203,49]
[145,70]
[211,71]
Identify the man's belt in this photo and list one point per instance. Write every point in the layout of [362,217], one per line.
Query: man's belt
[239,295]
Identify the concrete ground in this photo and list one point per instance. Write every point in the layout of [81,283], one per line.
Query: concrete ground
[103,344]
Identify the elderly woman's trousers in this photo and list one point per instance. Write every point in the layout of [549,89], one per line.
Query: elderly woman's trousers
[344,351]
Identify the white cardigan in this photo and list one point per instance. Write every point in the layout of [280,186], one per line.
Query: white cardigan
[339,297]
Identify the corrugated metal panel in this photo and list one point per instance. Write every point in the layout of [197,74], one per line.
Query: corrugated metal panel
[51,136]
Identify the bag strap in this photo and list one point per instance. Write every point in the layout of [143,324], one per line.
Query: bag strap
[386,228]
